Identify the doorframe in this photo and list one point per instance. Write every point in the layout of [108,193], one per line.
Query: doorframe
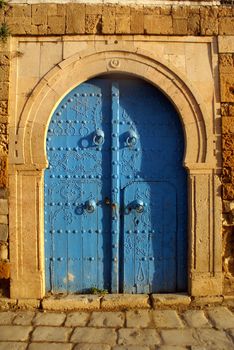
[28,161]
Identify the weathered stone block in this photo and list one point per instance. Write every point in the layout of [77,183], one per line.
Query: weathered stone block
[23,318]
[133,336]
[221,317]
[193,24]
[42,29]
[228,191]
[231,109]
[167,319]
[4,273]
[122,24]
[209,26]
[125,301]
[7,317]
[180,26]
[122,10]
[3,206]
[107,319]
[227,87]
[4,219]
[139,319]
[4,73]
[3,108]
[93,9]
[3,145]
[179,337]
[91,334]
[137,21]
[180,11]
[108,19]
[93,24]
[3,232]
[4,90]
[224,109]
[226,63]
[3,193]
[56,25]
[3,250]
[39,14]
[196,319]
[228,125]
[19,10]
[51,334]
[20,25]
[215,339]
[209,22]
[226,26]
[28,304]
[75,19]
[75,319]
[3,171]
[3,128]
[228,158]
[158,24]
[49,319]
[152,10]
[166,10]
[72,302]
[226,43]
[56,10]
[5,58]
[228,142]
[170,300]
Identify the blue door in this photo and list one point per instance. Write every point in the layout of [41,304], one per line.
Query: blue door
[115,191]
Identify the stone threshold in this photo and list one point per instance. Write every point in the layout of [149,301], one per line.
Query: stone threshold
[115,302]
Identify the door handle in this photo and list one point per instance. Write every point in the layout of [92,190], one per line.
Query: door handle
[90,206]
[137,205]
[132,138]
[99,137]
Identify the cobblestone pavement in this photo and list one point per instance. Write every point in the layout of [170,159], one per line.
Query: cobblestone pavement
[211,329]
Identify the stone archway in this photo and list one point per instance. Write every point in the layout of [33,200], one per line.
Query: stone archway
[28,162]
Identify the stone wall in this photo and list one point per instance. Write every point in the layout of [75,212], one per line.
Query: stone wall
[226,69]
[4,89]
[79,19]
[60,19]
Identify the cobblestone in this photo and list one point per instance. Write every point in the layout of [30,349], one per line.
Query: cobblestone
[181,337]
[138,318]
[50,346]
[92,347]
[133,336]
[196,319]
[13,346]
[107,319]
[49,319]
[53,334]
[167,319]
[216,338]
[14,333]
[6,317]
[75,319]
[221,317]
[91,335]
[24,318]
[209,329]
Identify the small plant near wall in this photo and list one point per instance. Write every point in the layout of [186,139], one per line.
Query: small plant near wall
[4,30]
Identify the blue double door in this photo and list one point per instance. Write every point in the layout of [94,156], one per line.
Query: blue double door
[115,191]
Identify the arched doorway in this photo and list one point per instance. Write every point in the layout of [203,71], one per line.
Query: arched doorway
[115,190]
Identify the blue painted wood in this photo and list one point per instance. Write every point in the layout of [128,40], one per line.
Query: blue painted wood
[77,242]
[113,142]
[153,164]
[115,188]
